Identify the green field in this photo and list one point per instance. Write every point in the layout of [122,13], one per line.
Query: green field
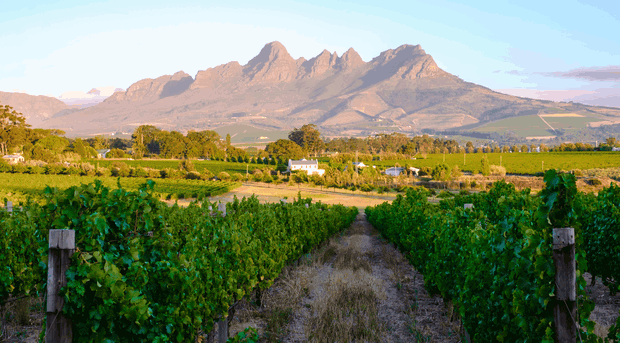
[534,126]
[213,166]
[240,133]
[17,187]
[519,163]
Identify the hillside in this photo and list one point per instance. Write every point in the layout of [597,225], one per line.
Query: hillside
[36,109]
[402,89]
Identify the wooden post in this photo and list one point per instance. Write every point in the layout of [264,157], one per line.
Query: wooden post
[307,206]
[222,208]
[565,311]
[283,201]
[470,206]
[61,247]
[9,206]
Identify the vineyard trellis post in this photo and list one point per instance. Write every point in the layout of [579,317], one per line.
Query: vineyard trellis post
[565,310]
[9,206]
[61,247]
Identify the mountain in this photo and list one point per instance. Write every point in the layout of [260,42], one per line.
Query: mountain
[81,100]
[402,89]
[36,109]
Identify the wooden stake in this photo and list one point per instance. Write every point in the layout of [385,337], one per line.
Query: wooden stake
[61,247]
[565,310]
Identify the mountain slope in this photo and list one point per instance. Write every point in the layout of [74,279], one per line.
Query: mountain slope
[36,109]
[401,88]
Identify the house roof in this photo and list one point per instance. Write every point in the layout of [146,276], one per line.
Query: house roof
[303,162]
[358,164]
[12,156]
[395,169]
[103,151]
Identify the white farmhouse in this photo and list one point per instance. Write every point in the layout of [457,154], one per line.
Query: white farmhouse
[311,166]
[414,170]
[12,159]
[102,152]
[359,165]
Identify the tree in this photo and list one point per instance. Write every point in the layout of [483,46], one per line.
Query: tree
[227,139]
[13,129]
[486,167]
[611,141]
[308,137]
[79,148]
[524,148]
[284,149]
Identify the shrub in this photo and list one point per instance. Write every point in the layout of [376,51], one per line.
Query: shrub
[485,167]
[54,169]
[425,171]
[223,176]
[115,153]
[367,187]
[153,173]
[456,172]
[120,169]
[595,182]
[36,170]
[139,172]
[72,171]
[103,172]
[577,172]
[497,170]
[441,172]
[193,175]
[444,195]
[187,165]
[236,177]
[19,168]
[5,167]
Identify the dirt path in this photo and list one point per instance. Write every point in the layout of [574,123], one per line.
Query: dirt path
[357,288]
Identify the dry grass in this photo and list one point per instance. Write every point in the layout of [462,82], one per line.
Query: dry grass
[606,306]
[347,310]
[22,320]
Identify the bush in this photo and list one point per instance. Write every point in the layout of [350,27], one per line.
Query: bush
[139,172]
[425,171]
[187,165]
[116,153]
[19,168]
[223,176]
[193,175]
[72,171]
[5,167]
[153,173]
[120,169]
[103,172]
[54,169]
[595,182]
[577,172]
[498,170]
[36,170]
[236,177]
[367,187]
[444,195]
[485,167]
[441,172]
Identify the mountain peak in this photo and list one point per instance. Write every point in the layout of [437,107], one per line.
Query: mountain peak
[350,59]
[273,63]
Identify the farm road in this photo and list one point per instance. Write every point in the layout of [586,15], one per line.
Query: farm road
[356,288]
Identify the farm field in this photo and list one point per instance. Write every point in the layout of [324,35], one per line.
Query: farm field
[519,163]
[533,125]
[213,166]
[17,187]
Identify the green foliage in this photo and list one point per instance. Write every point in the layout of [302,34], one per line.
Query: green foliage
[493,262]
[485,166]
[441,172]
[144,271]
[249,335]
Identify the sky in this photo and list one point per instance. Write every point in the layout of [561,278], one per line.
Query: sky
[535,47]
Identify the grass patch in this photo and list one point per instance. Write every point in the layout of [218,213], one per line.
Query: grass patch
[348,311]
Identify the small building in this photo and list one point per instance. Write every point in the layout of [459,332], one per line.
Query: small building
[102,152]
[414,170]
[12,159]
[311,167]
[359,165]
[615,149]
[394,171]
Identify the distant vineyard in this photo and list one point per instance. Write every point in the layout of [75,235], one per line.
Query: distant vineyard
[214,167]
[17,187]
[518,163]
